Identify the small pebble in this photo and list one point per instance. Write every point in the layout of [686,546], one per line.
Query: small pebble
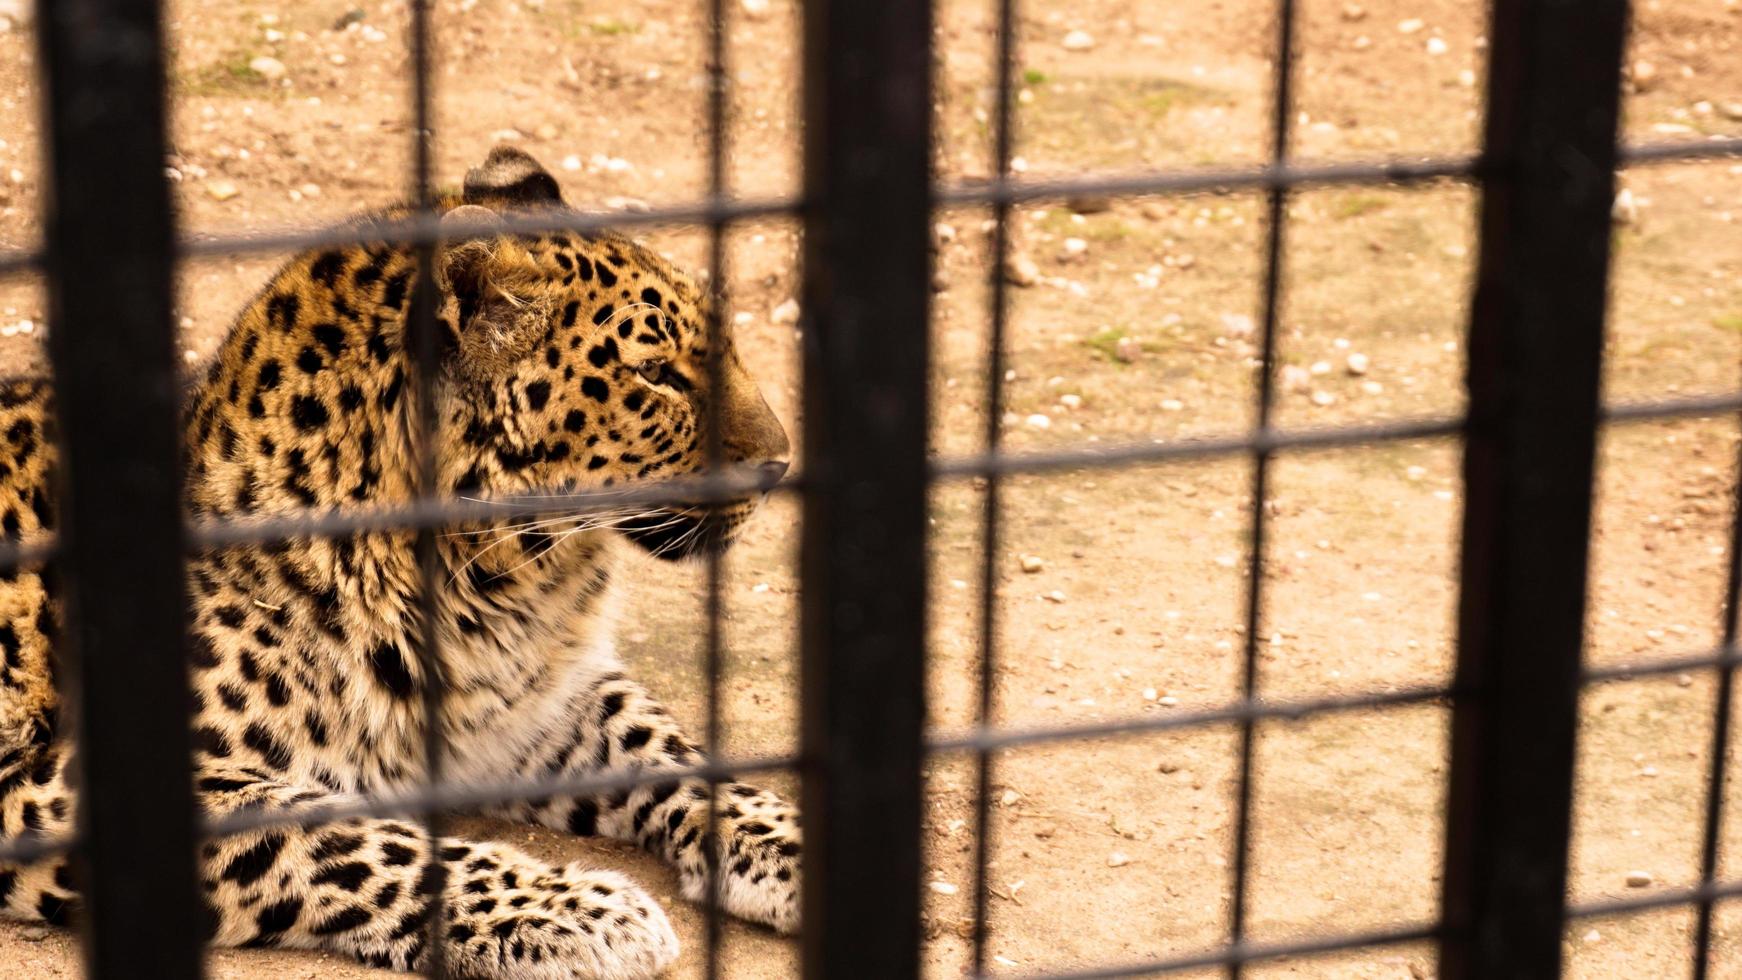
[1075,247]
[1356,364]
[1071,401]
[1010,797]
[1593,936]
[1078,41]
[1437,46]
[1125,350]
[1626,209]
[221,190]
[1353,12]
[1411,25]
[268,68]
[1055,596]
[785,314]
[1296,378]
[1020,270]
[1639,879]
[1118,859]
[944,888]
[1032,564]
[1324,399]
[1038,421]
[755,9]
[1684,680]
[1643,74]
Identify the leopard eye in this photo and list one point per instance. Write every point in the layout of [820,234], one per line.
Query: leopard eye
[653,372]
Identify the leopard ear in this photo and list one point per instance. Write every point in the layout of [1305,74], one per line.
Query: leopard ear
[510,176]
[470,236]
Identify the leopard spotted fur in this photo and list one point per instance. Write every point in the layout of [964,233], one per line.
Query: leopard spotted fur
[568,362]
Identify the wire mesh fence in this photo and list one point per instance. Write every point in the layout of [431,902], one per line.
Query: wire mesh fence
[1546,173]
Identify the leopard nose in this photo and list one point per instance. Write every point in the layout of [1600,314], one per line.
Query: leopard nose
[772,471]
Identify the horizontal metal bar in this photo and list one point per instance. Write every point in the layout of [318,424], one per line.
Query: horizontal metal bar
[1267,177]
[1162,451]
[1687,150]
[21,260]
[1656,900]
[1672,408]
[460,797]
[988,739]
[419,228]
[425,227]
[688,491]
[1717,657]
[29,850]
[1255,952]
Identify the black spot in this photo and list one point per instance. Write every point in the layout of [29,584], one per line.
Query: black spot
[269,375]
[636,737]
[397,854]
[54,909]
[331,336]
[537,393]
[326,268]
[276,918]
[335,845]
[343,921]
[349,875]
[574,421]
[651,296]
[253,863]
[308,412]
[276,753]
[584,821]
[603,353]
[390,670]
[595,389]
[393,296]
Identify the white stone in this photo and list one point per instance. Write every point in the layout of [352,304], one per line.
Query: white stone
[1324,399]
[1643,74]
[1075,247]
[1032,563]
[222,190]
[1071,401]
[1038,421]
[1356,364]
[1437,46]
[1626,209]
[755,9]
[268,68]
[785,314]
[1238,325]
[1021,270]
[1295,378]
[1639,879]
[1411,25]
[1079,41]
[1118,859]
[944,888]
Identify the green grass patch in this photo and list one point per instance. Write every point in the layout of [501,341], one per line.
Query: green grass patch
[1033,76]
[1356,205]
[1106,343]
[1728,321]
[226,76]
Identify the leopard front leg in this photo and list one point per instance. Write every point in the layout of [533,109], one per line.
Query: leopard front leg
[365,888]
[617,727]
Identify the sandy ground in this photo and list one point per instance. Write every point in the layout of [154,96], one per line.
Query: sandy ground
[1140,332]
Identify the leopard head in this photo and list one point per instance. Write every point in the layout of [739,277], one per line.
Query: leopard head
[581,363]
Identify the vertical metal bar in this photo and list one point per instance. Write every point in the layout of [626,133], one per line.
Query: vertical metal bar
[110,245]
[1276,204]
[999,300]
[1536,340]
[1719,763]
[867,292]
[425,344]
[716,311]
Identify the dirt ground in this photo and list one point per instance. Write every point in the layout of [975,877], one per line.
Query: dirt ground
[1139,327]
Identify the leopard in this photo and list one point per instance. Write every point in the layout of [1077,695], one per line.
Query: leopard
[565,363]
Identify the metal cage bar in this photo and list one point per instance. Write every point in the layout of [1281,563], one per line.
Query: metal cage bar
[1535,352]
[115,367]
[1270,310]
[1719,763]
[867,293]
